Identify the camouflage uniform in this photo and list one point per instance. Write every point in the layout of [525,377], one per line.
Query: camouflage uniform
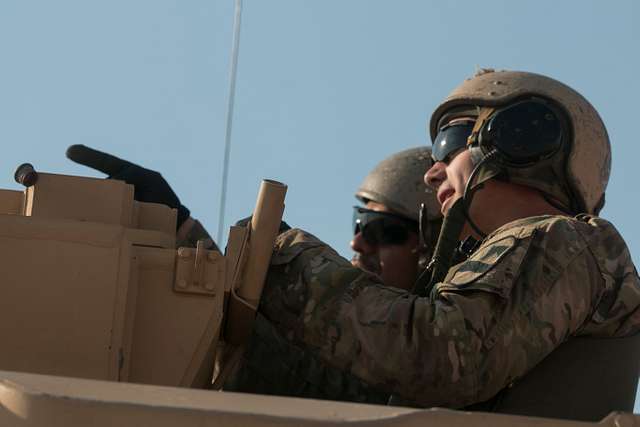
[531,285]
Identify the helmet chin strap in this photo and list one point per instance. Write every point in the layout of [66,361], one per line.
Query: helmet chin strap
[458,214]
[452,226]
[444,251]
[471,188]
[479,159]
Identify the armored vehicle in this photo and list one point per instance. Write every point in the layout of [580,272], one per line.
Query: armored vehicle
[105,322]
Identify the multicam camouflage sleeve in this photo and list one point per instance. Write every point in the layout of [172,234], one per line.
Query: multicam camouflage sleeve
[271,364]
[531,284]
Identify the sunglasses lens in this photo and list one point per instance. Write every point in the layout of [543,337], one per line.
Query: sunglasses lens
[372,232]
[391,234]
[357,220]
[450,139]
[381,228]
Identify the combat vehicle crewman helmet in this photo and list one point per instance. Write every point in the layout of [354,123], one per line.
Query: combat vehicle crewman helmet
[398,183]
[575,175]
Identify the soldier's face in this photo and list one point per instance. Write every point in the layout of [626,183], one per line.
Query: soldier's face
[395,264]
[449,178]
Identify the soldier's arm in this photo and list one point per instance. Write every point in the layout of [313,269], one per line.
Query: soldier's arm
[502,312]
[190,232]
[149,186]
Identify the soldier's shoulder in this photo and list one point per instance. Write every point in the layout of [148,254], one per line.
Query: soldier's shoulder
[540,245]
[564,237]
[556,226]
[297,236]
[294,242]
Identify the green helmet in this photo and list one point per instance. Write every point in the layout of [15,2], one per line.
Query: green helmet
[577,175]
[398,183]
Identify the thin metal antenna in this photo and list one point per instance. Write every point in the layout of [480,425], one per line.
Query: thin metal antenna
[233,71]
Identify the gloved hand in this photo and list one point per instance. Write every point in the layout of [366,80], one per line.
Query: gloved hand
[149,185]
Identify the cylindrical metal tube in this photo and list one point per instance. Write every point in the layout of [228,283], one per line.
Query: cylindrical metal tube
[264,229]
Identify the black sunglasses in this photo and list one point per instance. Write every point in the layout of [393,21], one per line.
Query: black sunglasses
[522,133]
[449,140]
[382,228]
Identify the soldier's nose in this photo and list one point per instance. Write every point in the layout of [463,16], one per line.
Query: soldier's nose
[436,175]
[360,245]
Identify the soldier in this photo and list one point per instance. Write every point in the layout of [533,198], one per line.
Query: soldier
[386,241]
[526,159]
[387,244]
[385,237]
[525,325]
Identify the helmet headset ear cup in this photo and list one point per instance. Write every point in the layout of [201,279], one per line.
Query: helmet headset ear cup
[524,133]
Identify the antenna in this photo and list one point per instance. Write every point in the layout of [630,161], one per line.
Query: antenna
[233,71]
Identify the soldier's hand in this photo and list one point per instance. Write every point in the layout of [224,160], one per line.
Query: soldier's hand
[149,185]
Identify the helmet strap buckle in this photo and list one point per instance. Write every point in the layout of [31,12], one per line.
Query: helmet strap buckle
[483,117]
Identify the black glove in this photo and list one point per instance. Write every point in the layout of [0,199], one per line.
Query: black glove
[149,185]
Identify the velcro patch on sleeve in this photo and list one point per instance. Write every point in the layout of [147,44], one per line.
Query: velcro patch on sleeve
[482,261]
[493,268]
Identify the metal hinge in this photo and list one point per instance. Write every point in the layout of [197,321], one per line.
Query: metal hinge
[198,270]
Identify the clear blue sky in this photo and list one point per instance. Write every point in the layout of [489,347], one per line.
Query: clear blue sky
[325,90]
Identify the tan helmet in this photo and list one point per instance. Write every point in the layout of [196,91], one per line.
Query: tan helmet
[586,164]
[398,183]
